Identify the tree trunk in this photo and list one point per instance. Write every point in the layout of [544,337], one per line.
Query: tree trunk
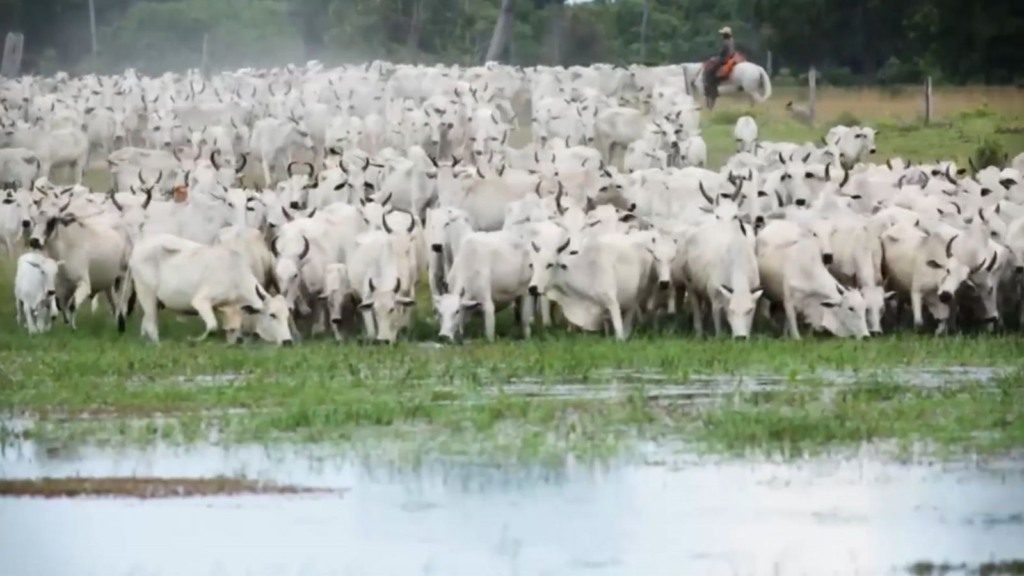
[502,29]
[412,41]
[556,32]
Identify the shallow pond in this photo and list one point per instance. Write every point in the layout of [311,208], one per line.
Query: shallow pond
[662,513]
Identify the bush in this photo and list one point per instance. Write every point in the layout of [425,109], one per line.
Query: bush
[847,118]
[896,72]
[989,153]
[840,76]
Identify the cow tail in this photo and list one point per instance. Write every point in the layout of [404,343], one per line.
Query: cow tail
[766,86]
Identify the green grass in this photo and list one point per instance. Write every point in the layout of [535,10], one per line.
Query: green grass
[415,399]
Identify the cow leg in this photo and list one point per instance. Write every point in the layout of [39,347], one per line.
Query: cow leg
[231,319]
[266,172]
[941,314]
[615,313]
[916,301]
[698,315]
[147,301]
[716,317]
[545,311]
[487,308]
[526,315]
[791,316]
[19,313]
[205,310]
[82,293]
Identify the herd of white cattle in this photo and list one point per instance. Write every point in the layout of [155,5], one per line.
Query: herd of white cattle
[304,200]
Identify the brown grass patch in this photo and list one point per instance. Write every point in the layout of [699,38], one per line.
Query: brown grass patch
[145,488]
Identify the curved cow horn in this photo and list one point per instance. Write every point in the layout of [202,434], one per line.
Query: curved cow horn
[291,168]
[387,198]
[806,157]
[412,224]
[241,167]
[564,245]
[113,200]
[384,222]
[273,248]
[949,174]
[366,164]
[828,173]
[949,246]
[213,159]
[141,179]
[159,177]
[704,193]
[305,248]
[888,163]
[398,285]
[174,152]
[312,169]
[149,198]
[782,160]
[846,178]
[558,198]
[372,287]
[970,161]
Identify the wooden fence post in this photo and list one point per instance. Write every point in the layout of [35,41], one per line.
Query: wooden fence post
[10,66]
[928,100]
[812,97]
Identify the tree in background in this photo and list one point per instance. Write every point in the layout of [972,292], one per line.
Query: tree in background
[872,40]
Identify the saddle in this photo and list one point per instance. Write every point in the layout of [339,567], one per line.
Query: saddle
[726,67]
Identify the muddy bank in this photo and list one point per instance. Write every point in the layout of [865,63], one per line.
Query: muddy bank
[146,488]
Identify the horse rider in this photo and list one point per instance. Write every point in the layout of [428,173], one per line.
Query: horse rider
[728,51]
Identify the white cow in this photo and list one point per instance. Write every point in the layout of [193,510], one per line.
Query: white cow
[745,134]
[792,273]
[721,268]
[35,292]
[186,276]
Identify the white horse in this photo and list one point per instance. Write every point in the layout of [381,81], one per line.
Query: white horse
[745,77]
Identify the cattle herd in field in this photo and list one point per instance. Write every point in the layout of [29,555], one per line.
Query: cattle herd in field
[306,200]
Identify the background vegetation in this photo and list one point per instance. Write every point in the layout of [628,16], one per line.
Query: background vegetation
[887,41]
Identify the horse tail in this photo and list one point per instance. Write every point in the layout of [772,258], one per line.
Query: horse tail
[766,86]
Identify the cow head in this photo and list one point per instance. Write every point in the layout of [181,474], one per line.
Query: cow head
[388,308]
[273,323]
[544,259]
[845,317]
[450,310]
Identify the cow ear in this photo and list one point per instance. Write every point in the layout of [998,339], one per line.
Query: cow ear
[403,301]
[470,305]
[757,293]
[366,305]
[934,264]
[829,304]
[725,290]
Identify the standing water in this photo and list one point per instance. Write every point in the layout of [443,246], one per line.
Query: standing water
[668,515]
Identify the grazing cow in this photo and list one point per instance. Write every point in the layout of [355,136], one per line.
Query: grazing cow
[35,292]
[922,263]
[745,134]
[720,268]
[187,276]
[792,273]
[603,278]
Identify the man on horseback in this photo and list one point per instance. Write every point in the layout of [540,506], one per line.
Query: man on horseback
[718,69]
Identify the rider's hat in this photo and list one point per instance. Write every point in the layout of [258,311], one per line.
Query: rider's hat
[727,31]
